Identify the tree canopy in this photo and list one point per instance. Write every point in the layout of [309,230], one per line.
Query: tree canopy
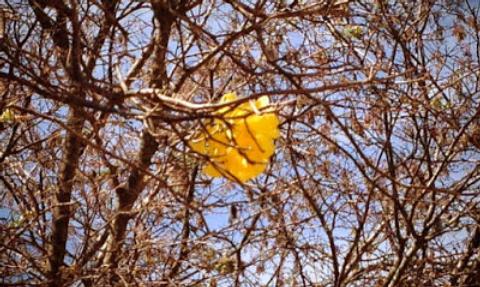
[348,157]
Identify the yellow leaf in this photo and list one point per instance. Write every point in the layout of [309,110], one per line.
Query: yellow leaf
[262,102]
[210,170]
[7,116]
[228,97]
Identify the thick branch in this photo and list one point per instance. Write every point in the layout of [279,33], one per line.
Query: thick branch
[72,151]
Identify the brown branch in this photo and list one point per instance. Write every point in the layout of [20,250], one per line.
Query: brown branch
[185,234]
[62,212]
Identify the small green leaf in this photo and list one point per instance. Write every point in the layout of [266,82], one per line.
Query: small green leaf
[353,31]
[226,265]
[7,116]
[438,104]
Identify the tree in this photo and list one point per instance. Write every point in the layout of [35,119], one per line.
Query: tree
[375,177]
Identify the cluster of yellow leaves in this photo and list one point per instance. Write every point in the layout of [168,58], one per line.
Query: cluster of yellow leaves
[240,142]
